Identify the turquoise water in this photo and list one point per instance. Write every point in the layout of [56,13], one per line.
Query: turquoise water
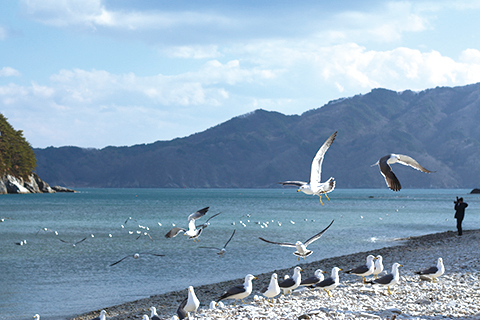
[58,280]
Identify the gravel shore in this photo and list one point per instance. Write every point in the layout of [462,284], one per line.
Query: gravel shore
[455,295]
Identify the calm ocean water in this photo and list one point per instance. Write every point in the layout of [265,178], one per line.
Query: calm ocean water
[58,280]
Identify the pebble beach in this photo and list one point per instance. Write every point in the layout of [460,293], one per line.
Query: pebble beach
[455,295]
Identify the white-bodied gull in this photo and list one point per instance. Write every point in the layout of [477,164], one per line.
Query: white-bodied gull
[292,283]
[273,289]
[193,231]
[302,250]
[331,282]
[313,280]
[433,272]
[385,169]
[36,316]
[136,256]
[73,243]
[188,305]
[315,186]
[240,291]
[154,315]
[389,279]
[378,266]
[364,270]
[102,316]
[221,251]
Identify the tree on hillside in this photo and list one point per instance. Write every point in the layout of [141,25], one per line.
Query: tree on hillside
[16,154]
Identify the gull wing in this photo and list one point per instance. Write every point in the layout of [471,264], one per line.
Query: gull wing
[153,254]
[310,281]
[81,241]
[318,235]
[174,232]
[293,183]
[286,283]
[325,283]
[200,213]
[386,279]
[316,169]
[232,291]
[119,260]
[213,248]
[206,222]
[229,239]
[181,313]
[283,244]
[431,270]
[358,270]
[390,178]
[408,161]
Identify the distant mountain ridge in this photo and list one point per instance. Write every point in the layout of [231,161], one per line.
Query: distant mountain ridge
[438,127]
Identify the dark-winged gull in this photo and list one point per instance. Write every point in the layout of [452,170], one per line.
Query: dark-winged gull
[193,231]
[47,230]
[153,314]
[221,251]
[315,186]
[73,243]
[239,292]
[188,305]
[378,266]
[389,279]
[313,280]
[302,250]
[102,316]
[331,282]
[136,256]
[385,169]
[364,270]
[21,243]
[434,272]
[273,289]
[181,313]
[290,284]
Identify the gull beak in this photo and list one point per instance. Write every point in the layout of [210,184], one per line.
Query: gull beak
[298,190]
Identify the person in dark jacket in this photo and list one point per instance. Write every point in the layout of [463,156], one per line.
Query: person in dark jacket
[460,213]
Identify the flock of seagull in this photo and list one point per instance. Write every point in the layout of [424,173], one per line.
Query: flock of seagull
[373,266]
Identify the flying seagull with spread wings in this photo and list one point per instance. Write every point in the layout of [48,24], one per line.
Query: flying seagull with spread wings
[221,251]
[315,186]
[302,251]
[193,231]
[385,169]
[136,256]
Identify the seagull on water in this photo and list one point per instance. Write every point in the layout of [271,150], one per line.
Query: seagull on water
[221,251]
[240,291]
[136,256]
[273,289]
[389,279]
[36,316]
[433,272]
[331,282]
[193,231]
[302,250]
[313,280]
[290,284]
[364,270]
[385,169]
[315,186]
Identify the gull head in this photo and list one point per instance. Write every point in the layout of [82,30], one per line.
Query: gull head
[136,256]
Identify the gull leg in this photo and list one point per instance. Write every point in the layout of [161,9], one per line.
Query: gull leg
[242,301]
[388,289]
[328,292]
[235,302]
[364,280]
[320,197]
[326,195]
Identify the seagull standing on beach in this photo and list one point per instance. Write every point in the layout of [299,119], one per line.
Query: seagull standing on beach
[331,282]
[273,289]
[102,316]
[378,266]
[189,304]
[221,251]
[290,284]
[302,251]
[315,186]
[433,272]
[312,281]
[154,315]
[136,256]
[385,169]
[364,270]
[389,279]
[240,291]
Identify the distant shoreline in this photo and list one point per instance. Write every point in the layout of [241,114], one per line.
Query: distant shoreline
[413,252]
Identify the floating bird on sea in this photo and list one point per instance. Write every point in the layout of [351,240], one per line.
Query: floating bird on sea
[189,304]
[5,218]
[315,186]
[36,316]
[433,272]
[316,278]
[302,250]
[331,282]
[21,243]
[290,284]
[73,243]
[385,169]
[389,279]
[193,231]
[378,266]
[221,251]
[239,292]
[154,315]
[364,270]
[136,256]
[102,316]
[273,289]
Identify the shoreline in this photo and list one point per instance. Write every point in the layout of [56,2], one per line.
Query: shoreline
[461,257]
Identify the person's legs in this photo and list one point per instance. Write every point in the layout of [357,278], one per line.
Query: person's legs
[459,226]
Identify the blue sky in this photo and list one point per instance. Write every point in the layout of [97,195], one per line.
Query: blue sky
[95,73]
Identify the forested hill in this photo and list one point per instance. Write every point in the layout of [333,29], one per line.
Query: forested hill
[438,127]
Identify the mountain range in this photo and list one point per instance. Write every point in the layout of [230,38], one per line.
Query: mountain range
[438,127]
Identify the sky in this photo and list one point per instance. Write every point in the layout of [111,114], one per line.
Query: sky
[97,73]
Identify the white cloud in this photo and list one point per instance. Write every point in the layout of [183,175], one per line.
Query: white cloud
[9,72]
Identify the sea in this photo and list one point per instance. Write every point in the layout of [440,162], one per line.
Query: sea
[51,276]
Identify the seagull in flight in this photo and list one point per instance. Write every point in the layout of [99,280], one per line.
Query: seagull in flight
[73,243]
[193,231]
[302,251]
[315,186]
[390,178]
[136,256]
[221,251]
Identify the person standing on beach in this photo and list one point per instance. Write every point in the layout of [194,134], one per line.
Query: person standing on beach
[460,213]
